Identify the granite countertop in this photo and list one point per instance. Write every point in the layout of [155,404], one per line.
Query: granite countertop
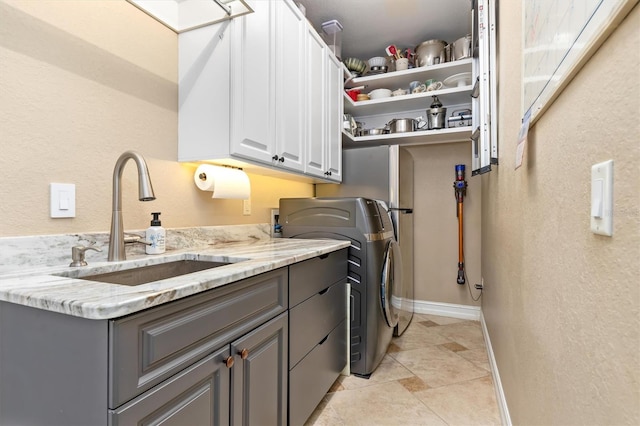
[55,289]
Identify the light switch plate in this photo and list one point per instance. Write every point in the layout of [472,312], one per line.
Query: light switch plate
[62,200]
[602,198]
[246,207]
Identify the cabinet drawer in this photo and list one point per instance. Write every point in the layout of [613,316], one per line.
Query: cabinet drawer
[310,380]
[150,346]
[314,318]
[309,277]
[198,395]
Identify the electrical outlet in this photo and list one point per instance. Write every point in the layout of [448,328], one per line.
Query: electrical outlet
[275,219]
[246,207]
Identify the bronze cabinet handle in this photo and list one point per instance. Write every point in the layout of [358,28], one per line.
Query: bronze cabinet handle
[229,362]
[244,354]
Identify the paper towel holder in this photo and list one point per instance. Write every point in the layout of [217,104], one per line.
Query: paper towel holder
[223,181]
[203,175]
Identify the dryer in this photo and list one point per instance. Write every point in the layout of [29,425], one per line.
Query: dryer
[374,266]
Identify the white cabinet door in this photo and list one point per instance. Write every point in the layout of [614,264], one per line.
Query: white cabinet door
[203,112]
[333,140]
[253,84]
[290,88]
[316,99]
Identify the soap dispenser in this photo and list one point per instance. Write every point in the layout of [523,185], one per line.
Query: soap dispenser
[155,236]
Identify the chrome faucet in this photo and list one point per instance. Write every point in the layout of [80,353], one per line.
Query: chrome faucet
[145,193]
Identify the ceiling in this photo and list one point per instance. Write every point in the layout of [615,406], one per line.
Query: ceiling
[371,25]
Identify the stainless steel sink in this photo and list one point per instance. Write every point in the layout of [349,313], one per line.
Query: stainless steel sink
[147,274]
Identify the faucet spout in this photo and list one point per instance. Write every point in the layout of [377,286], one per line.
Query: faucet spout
[145,193]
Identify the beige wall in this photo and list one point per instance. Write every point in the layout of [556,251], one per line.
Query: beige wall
[81,82]
[562,304]
[436,224]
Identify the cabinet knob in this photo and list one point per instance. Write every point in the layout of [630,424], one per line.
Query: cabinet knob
[275,158]
[281,159]
[229,362]
[244,354]
[328,173]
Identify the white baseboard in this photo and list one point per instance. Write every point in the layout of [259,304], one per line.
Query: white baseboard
[447,310]
[502,401]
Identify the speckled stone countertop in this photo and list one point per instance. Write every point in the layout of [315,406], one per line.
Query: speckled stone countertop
[58,288]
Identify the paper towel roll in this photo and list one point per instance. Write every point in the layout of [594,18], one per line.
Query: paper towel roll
[224,182]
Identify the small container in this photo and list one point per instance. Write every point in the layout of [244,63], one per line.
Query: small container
[402,64]
[155,236]
[332,35]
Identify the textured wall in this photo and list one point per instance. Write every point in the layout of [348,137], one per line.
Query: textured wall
[562,304]
[436,224]
[81,82]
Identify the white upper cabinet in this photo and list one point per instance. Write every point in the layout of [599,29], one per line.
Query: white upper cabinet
[333,141]
[253,83]
[324,110]
[248,93]
[316,101]
[203,93]
[290,85]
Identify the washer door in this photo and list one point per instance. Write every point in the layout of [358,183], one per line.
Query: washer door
[391,278]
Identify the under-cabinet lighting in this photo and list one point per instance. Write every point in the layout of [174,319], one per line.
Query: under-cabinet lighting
[185,15]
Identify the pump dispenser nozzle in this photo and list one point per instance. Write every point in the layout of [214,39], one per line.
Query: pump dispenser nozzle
[156,220]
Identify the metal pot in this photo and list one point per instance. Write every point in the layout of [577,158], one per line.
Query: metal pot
[371,132]
[430,52]
[401,125]
[461,48]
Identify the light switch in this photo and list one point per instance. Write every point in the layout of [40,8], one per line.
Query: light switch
[62,200]
[602,198]
[596,198]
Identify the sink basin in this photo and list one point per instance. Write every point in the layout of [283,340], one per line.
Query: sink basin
[147,274]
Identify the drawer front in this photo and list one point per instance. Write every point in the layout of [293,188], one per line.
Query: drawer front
[310,380]
[151,346]
[314,318]
[198,395]
[309,277]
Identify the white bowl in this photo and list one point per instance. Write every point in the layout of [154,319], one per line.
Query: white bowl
[378,61]
[379,93]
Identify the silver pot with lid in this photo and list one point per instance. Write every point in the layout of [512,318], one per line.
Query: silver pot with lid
[436,115]
[401,125]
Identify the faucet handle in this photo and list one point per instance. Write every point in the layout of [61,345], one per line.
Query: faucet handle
[77,255]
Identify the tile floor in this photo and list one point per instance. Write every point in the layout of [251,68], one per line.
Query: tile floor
[436,373]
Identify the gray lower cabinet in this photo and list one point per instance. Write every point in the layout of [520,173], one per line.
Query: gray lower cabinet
[317,330]
[242,383]
[198,395]
[234,355]
[216,358]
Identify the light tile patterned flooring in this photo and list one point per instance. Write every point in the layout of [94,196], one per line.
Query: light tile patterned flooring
[436,373]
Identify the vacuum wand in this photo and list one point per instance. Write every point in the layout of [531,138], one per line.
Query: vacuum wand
[460,189]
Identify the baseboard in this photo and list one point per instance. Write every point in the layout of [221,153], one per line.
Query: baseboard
[447,310]
[502,401]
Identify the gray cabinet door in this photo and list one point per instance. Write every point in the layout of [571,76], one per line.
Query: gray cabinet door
[259,375]
[198,395]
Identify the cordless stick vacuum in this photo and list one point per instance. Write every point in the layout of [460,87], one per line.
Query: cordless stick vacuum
[460,189]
